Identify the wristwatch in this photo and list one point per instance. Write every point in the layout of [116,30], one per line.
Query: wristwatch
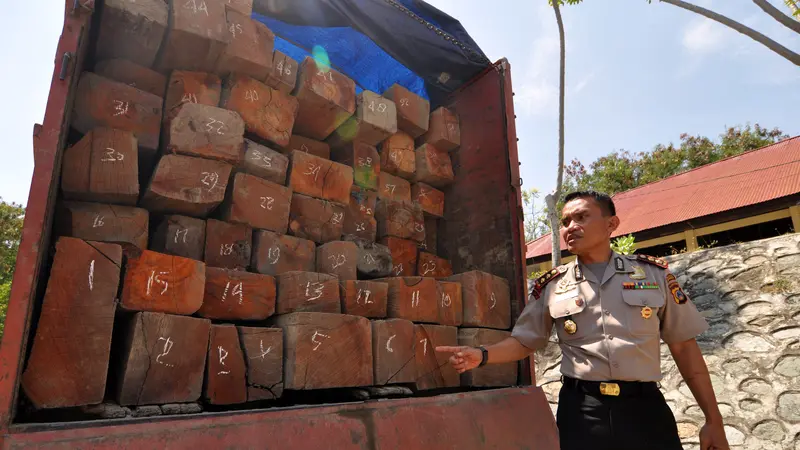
[484,356]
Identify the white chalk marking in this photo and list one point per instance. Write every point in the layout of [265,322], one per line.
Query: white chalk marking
[389,343]
[222,355]
[317,287]
[91,275]
[178,233]
[314,339]
[167,347]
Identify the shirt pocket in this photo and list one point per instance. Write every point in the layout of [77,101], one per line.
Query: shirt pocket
[562,308]
[642,307]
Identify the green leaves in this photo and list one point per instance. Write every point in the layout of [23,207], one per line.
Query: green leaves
[11,218]
[624,245]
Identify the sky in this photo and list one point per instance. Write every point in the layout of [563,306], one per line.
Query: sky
[638,74]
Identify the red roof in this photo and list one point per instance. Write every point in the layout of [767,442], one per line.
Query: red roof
[747,179]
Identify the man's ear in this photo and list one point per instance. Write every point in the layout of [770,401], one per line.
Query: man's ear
[613,224]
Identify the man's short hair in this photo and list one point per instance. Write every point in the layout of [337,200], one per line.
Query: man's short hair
[603,200]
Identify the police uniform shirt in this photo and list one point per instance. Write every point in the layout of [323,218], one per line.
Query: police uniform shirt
[616,321]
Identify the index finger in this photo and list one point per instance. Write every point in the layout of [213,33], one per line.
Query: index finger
[447,349]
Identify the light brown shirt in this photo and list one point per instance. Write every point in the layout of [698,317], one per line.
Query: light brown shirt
[614,340]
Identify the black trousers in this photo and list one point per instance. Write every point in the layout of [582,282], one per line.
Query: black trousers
[638,419]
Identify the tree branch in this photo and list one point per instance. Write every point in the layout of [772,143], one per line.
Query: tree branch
[789,55]
[552,200]
[776,14]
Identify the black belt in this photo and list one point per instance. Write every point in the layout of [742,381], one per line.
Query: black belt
[611,388]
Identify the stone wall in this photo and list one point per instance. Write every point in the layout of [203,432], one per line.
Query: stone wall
[750,295]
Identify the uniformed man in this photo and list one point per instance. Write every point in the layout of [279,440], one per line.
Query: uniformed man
[610,312]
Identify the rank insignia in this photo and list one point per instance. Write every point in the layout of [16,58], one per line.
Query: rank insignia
[630,285]
[638,273]
[647,312]
[619,266]
[653,260]
[564,286]
[542,281]
[570,327]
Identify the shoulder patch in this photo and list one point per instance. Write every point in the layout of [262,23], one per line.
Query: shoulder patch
[549,276]
[660,262]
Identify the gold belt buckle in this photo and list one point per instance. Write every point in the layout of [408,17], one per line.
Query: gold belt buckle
[609,389]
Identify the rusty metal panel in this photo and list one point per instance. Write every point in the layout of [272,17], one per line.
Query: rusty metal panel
[514,418]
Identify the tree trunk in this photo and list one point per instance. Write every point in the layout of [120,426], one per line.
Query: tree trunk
[776,14]
[552,199]
[747,31]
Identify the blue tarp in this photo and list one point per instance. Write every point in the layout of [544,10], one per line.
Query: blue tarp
[378,42]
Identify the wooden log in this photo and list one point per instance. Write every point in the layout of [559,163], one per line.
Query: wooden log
[400,219]
[491,375]
[316,220]
[398,156]
[206,132]
[69,359]
[267,113]
[196,36]
[393,351]
[327,99]
[123,225]
[190,87]
[237,295]
[362,202]
[444,132]
[244,7]
[413,111]
[433,369]
[487,300]
[228,245]
[404,256]
[364,160]
[163,360]
[264,162]
[338,258]
[133,75]
[433,166]
[180,236]
[374,260]
[430,265]
[430,199]
[100,102]
[186,185]
[431,231]
[364,298]
[320,178]
[307,292]
[375,120]
[249,49]
[163,283]
[226,373]
[391,187]
[263,355]
[310,146]
[412,298]
[283,76]
[132,30]
[364,228]
[326,350]
[359,221]
[451,309]
[258,203]
[274,254]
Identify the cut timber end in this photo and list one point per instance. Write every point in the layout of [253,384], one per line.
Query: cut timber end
[132,30]
[163,283]
[433,369]
[190,87]
[226,373]
[267,113]
[487,300]
[327,99]
[398,156]
[395,188]
[326,350]
[433,166]
[317,220]
[249,50]
[401,220]
[430,265]
[186,185]
[404,256]
[206,132]
[164,359]
[338,258]
[431,231]
[133,75]
[444,131]
[228,245]
[359,220]
[430,199]
[492,375]
[310,146]
[274,254]
[374,121]
[180,236]
[364,160]
[393,351]
[70,354]
[451,310]
[258,203]
[264,162]
[307,292]
[320,178]
[283,76]
[413,298]
[364,298]
[374,260]
[413,111]
[263,355]
[237,295]
[123,225]
[196,36]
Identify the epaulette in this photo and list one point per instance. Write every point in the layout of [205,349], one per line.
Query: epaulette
[549,276]
[660,262]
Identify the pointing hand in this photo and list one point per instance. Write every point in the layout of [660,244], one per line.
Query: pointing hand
[463,358]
